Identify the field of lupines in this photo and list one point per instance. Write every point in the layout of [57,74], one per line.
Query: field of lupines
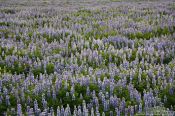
[87,57]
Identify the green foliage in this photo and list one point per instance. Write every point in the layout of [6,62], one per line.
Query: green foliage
[50,68]
[94,87]
[57,37]
[140,35]
[8,11]
[116,78]
[38,71]
[133,56]
[147,35]
[3,108]
[170,97]
[162,31]
[80,89]
[100,32]
[18,38]
[37,53]
[5,33]
[168,59]
[56,51]
[66,18]
[5,23]
[30,34]
[122,92]
[172,6]
[83,13]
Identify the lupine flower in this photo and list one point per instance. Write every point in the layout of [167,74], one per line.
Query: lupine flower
[58,111]
[19,110]
[104,56]
[7,100]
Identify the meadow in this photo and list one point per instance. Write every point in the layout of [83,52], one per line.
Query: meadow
[87,57]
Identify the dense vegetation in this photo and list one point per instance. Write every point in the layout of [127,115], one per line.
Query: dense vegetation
[73,57]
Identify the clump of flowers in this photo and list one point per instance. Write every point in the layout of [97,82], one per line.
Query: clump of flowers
[85,58]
